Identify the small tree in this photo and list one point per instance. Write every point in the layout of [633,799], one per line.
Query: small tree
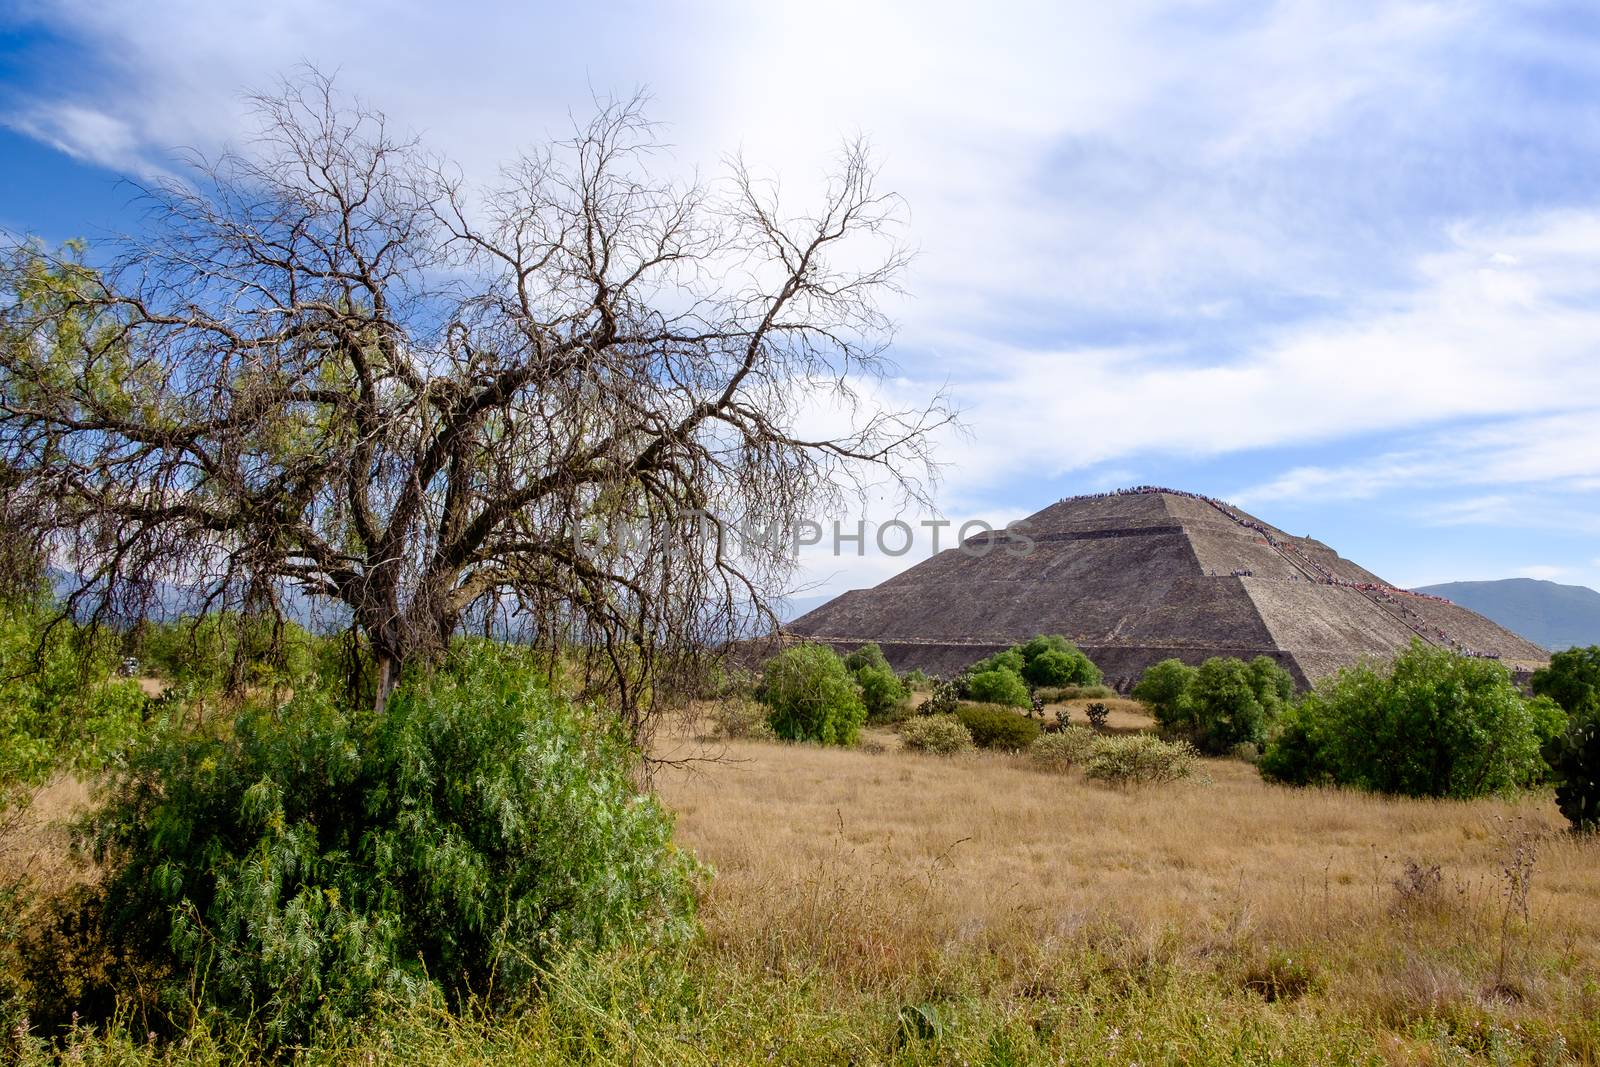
[998,686]
[1572,680]
[868,655]
[881,691]
[1162,688]
[1058,667]
[1434,723]
[812,697]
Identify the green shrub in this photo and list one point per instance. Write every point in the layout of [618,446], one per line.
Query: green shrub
[1062,750]
[1163,688]
[1434,723]
[1219,706]
[1098,714]
[1058,667]
[915,679]
[1574,760]
[993,726]
[998,686]
[867,656]
[942,735]
[882,694]
[1009,660]
[60,706]
[1139,759]
[310,863]
[204,654]
[812,697]
[1572,680]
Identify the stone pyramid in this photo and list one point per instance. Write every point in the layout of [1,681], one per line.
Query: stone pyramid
[1140,575]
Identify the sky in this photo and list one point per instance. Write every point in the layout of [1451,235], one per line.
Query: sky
[1336,262]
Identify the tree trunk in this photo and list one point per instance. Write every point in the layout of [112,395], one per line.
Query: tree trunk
[388,677]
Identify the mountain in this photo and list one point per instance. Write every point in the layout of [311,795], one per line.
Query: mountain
[1141,575]
[1554,616]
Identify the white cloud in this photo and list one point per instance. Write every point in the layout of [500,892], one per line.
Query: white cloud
[87,134]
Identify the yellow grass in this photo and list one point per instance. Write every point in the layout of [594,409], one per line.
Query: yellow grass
[888,865]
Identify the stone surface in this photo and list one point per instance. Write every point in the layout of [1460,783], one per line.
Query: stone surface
[1139,576]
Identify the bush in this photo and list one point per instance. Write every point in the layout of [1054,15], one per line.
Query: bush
[1434,723]
[942,735]
[60,707]
[1058,667]
[1572,680]
[1574,760]
[812,697]
[1139,759]
[1009,660]
[867,656]
[1062,750]
[1163,688]
[1098,714]
[998,686]
[1219,706]
[313,862]
[882,694]
[737,719]
[993,726]
[914,679]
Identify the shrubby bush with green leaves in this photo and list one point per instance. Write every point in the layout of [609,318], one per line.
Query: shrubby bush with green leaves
[205,654]
[997,726]
[312,862]
[61,705]
[869,655]
[943,735]
[998,686]
[811,696]
[1433,723]
[1139,759]
[1045,660]
[1572,680]
[1223,703]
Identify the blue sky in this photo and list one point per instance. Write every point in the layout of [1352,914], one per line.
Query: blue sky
[1338,262]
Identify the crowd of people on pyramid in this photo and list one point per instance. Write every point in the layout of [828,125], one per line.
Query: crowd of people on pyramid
[1388,594]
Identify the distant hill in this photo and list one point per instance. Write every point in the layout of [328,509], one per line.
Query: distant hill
[1554,616]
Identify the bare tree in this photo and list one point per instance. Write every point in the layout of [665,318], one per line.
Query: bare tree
[337,367]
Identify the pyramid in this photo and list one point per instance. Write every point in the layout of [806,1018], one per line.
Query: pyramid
[1140,575]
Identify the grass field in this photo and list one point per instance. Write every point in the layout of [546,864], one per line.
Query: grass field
[879,905]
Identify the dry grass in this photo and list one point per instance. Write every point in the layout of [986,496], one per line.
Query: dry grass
[893,867]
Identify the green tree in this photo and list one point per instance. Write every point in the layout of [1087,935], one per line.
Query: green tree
[1572,680]
[1433,723]
[1058,667]
[1163,688]
[811,696]
[868,655]
[881,691]
[1010,660]
[998,686]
